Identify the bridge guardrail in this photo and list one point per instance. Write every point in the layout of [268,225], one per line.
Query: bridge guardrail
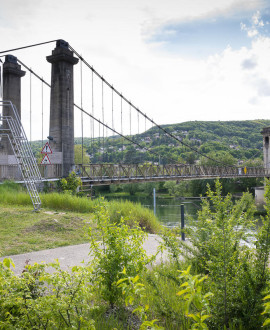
[170,171]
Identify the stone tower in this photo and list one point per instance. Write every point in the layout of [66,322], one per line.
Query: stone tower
[61,106]
[12,75]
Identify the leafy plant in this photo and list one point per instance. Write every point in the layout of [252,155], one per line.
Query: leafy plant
[131,289]
[71,183]
[120,247]
[196,303]
[40,300]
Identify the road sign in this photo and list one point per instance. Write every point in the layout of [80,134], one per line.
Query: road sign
[46,160]
[46,149]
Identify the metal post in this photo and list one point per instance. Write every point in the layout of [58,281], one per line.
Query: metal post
[154,198]
[182,222]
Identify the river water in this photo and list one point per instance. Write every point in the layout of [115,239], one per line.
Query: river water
[168,210]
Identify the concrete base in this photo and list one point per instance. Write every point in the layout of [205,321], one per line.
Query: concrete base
[56,157]
[10,172]
[7,160]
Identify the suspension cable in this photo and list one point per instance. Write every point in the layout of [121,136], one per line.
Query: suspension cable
[102,106]
[29,46]
[81,107]
[93,70]
[112,109]
[134,107]
[151,120]
[93,124]
[42,110]
[98,120]
[30,100]
[122,127]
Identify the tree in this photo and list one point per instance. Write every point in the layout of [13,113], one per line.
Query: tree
[222,157]
[78,155]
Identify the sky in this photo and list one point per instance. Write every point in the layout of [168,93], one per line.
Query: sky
[176,60]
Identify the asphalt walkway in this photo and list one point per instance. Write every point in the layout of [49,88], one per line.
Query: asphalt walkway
[74,255]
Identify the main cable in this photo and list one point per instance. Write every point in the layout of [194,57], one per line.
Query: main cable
[29,46]
[94,118]
[139,111]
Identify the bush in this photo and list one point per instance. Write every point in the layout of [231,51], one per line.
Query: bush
[120,248]
[40,300]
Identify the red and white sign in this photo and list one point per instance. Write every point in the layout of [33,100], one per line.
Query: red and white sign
[46,160]
[46,149]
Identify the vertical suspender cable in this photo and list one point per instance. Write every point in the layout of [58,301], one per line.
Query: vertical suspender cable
[42,108]
[30,106]
[138,123]
[99,137]
[122,126]
[93,124]
[130,119]
[145,123]
[112,112]
[81,111]
[102,105]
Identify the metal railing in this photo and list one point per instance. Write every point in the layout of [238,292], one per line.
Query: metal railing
[124,173]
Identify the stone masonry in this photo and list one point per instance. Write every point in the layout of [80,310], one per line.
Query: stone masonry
[61,109]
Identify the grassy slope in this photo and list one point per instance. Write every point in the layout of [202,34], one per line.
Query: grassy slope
[22,230]
[63,219]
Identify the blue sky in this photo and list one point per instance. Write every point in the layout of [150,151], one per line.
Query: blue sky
[177,60]
[207,35]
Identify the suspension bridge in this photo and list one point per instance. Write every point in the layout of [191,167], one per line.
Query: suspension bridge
[102,109]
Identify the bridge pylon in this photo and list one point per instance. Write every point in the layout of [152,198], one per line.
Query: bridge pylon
[12,75]
[61,134]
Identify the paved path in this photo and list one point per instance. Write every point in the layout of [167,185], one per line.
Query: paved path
[70,256]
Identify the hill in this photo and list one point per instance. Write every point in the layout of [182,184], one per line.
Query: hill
[231,141]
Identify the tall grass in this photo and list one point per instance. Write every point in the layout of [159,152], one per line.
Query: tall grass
[67,202]
[14,194]
[134,212]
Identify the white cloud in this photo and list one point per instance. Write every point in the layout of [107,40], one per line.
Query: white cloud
[110,35]
[256,24]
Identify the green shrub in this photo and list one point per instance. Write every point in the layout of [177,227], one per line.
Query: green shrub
[40,300]
[120,248]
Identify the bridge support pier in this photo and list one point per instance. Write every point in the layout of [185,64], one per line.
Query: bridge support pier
[61,109]
[12,75]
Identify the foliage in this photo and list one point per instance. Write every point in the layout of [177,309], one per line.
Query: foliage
[266,310]
[196,303]
[238,139]
[222,157]
[177,188]
[78,154]
[221,247]
[120,247]
[40,300]
[71,183]
[131,289]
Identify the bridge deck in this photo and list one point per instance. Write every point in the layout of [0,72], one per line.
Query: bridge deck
[105,174]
